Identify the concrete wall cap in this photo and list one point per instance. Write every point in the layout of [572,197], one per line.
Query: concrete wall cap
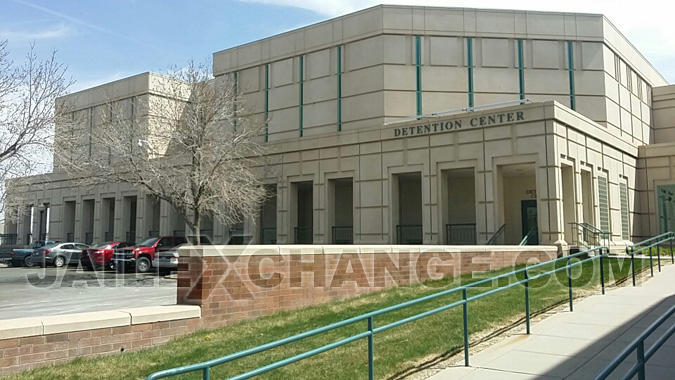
[55,324]
[298,249]
[374,248]
[341,249]
[21,327]
[151,314]
[455,248]
[406,248]
[228,250]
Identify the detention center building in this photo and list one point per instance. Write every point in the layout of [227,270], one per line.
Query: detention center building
[420,125]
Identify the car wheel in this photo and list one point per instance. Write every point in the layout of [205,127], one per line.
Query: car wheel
[27,262]
[110,265]
[59,261]
[143,265]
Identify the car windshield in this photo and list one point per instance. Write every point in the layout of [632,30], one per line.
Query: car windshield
[50,245]
[99,246]
[147,243]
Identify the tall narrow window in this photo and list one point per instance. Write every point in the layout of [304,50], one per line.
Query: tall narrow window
[132,113]
[302,83]
[339,88]
[267,101]
[91,128]
[570,68]
[666,198]
[235,98]
[603,203]
[521,70]
[469,62]
[625,214]
[418,74]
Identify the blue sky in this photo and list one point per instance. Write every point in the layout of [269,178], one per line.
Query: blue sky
[104,40]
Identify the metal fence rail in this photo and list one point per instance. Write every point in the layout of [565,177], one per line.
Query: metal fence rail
[205,367]
[343,235]
[497,237]
[409,234]
[639,345]
[460,233]
[268,236]
[588,235]
[303,235]
[648,245]
[131,236]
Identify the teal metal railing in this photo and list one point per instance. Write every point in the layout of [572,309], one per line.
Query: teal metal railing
[497,236]
[371,331]
[460,234]
[648,245]
[588,235]
[529,236]
[639,345]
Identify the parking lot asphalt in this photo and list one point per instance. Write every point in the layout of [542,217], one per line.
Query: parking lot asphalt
[32,292]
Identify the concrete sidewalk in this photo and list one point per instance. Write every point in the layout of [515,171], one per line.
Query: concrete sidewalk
[578,345]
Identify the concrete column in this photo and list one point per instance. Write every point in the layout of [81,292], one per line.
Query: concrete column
[24,226]
[78,220]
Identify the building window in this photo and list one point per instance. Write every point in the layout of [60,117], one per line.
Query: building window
[625,214]
[603,203]
[666,202]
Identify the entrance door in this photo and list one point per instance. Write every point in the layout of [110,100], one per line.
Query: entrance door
[528,211]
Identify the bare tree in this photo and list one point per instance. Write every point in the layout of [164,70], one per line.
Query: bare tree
[191,142]
[27,118]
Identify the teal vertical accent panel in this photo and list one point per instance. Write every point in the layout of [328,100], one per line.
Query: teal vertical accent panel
[234,100]
[339,88]
[521,70]
[267,101]
[570,68]
[469,61]
[418,73]
[91,127]
[302,82]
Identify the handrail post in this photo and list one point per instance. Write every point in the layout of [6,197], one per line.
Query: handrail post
[658,256]
[371,350]
[672,259]
[602,271]
[651,262]
[527,302]
[206,375]
[466,328]
[632,262]
[569,283]
[641,360]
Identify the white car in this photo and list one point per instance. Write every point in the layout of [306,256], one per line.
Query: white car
[167,259]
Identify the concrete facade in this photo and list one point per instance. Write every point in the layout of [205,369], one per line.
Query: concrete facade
[420,125]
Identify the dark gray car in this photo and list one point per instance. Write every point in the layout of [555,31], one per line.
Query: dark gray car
[59,254]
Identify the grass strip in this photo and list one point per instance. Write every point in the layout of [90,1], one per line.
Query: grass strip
[396,350]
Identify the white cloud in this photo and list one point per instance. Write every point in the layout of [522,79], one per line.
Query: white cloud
[85,23]
[58,31]
[647,24]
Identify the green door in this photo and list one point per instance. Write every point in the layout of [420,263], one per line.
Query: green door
[528,211]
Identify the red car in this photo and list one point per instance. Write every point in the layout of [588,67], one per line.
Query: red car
[99,256]
[141,255]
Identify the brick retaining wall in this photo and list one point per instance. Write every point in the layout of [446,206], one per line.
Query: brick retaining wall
[19,354]
[222,285]
[264,280]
